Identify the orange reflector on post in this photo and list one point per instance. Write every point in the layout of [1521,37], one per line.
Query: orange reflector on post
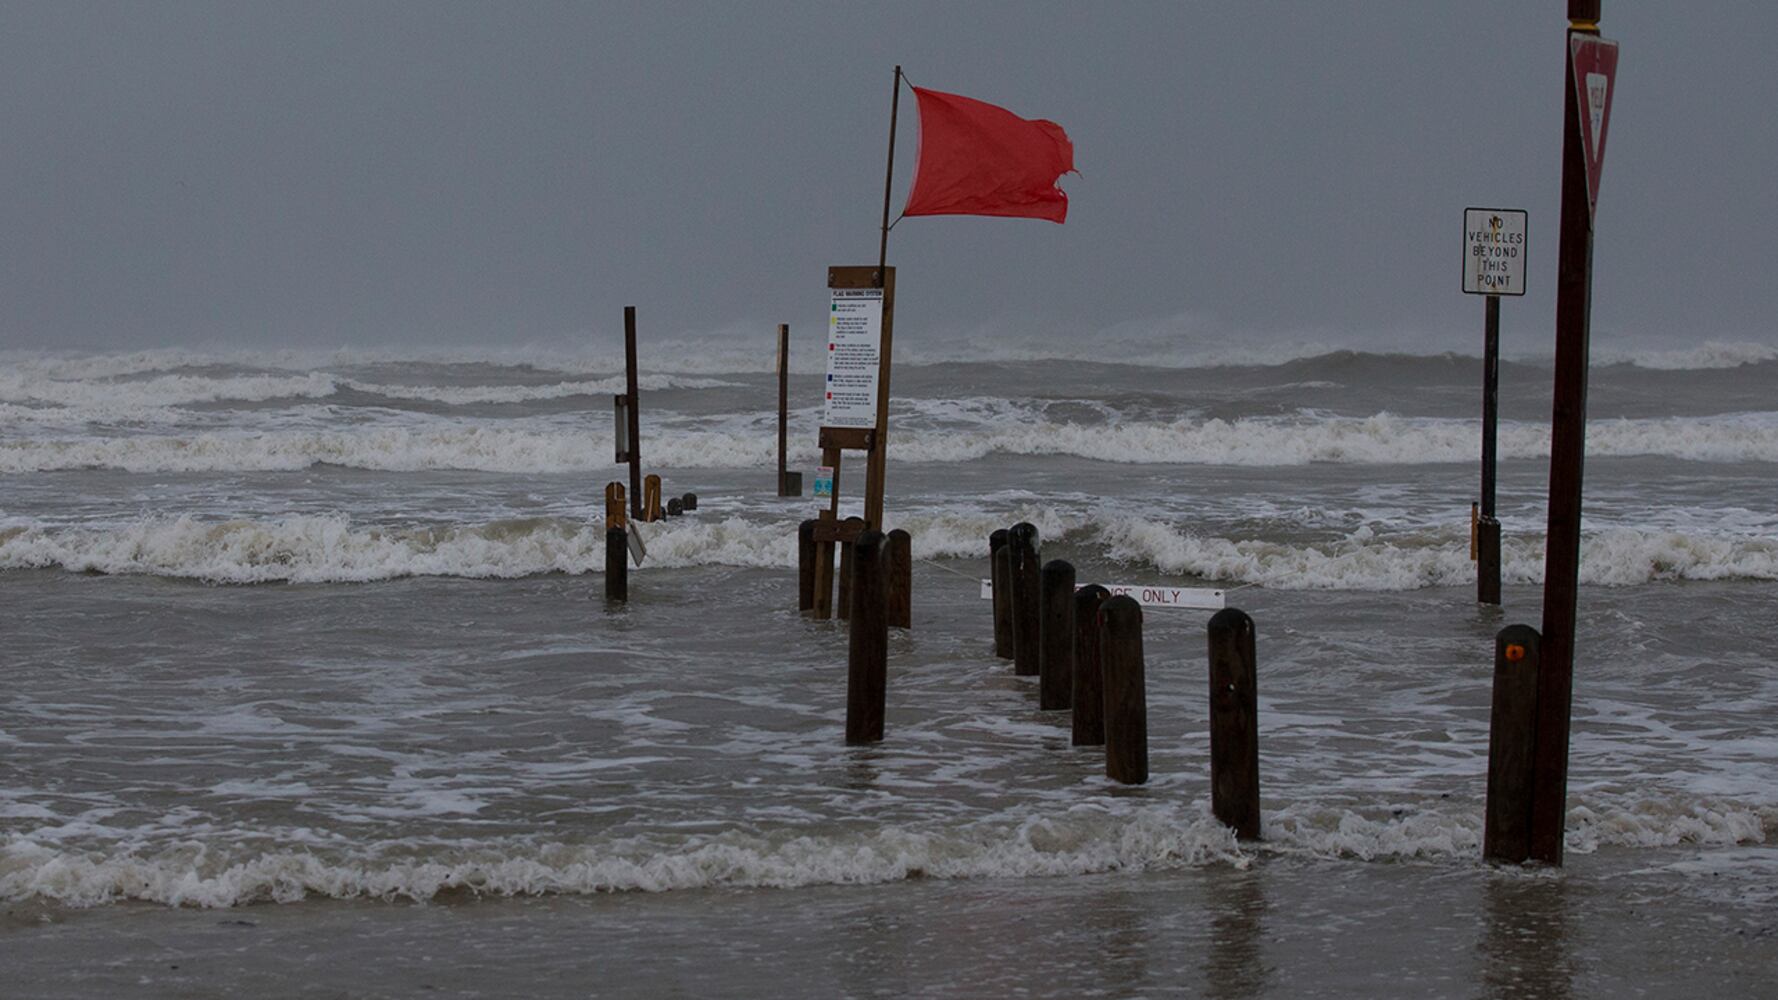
[1514,652]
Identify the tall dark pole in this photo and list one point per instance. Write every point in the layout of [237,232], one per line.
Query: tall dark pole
[783,402]
[1568,420]
[888,179]
[1488,528]
[635,414]
[876,464]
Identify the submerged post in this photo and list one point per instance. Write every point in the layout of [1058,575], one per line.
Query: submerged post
[1089,692]
[899,551]
[617,547]
[651,498]
[805,565]
[1126,696]
[868,652]
[1512,736]
[1234,723]
[854,525]
[1055,636]
[1021,544]
[1000,585]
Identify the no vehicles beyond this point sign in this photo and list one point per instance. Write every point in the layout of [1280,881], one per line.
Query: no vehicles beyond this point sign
[1494,251]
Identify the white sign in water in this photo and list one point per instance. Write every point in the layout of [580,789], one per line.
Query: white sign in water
[1201,598]
[854,355]
[1494,251]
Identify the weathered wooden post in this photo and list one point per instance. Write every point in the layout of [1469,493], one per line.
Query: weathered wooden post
[674,507]
[1055,636]
[999,569]
[632,412]
[689,501]
[900,553]
[790,484]
[1089,690]
[1126,696]
[1512,738]
[867,661]
[1234,723]
[853,525]
[1022,545]
[617,545]
[805,565]
[651,498]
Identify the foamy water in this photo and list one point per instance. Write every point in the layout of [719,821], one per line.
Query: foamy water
[292,625]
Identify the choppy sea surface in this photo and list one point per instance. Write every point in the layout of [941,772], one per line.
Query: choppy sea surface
[309,679]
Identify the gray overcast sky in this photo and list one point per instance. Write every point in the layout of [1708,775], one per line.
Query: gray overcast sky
[320,174]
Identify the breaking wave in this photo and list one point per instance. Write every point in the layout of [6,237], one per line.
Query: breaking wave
[543,448]
[1086,839]
[331,549]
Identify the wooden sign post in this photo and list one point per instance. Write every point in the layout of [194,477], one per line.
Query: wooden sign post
[860,331]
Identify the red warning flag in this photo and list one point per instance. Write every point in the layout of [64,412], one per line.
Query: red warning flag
[980,159]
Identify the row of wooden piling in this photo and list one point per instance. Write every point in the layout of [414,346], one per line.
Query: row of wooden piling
[1084,645]
[815,589]
[617,530]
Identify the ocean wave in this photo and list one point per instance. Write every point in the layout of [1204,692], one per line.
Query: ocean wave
[331,549]
[108,397]
[471,394]
[748,349]
[543,448]
[1086,839]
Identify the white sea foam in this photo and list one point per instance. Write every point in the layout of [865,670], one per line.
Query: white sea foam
[1082,840]
[468,394]
[323,549]
[529,446]
[161,390]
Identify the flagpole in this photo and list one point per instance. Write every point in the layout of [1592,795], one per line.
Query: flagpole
[888,179]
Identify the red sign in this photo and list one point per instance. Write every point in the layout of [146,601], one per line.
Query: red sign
[1594,62]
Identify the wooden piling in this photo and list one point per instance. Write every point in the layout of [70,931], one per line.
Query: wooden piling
[805,565]
[689,501]
[1022,544]
[1055,636]
[1126,696]
[1088,696]
[784,489]
[1512,737]
[651,498]
[617,564]
[674,507]
[999,571]
[900,553]
[843,608]
[867,658]
[1234,723]
[1487,560]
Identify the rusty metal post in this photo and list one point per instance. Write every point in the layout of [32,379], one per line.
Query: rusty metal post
[1568,428]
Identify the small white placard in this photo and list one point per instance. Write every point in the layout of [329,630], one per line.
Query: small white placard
[854,355]
[1151,596]
[633,537]
[1494,251]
